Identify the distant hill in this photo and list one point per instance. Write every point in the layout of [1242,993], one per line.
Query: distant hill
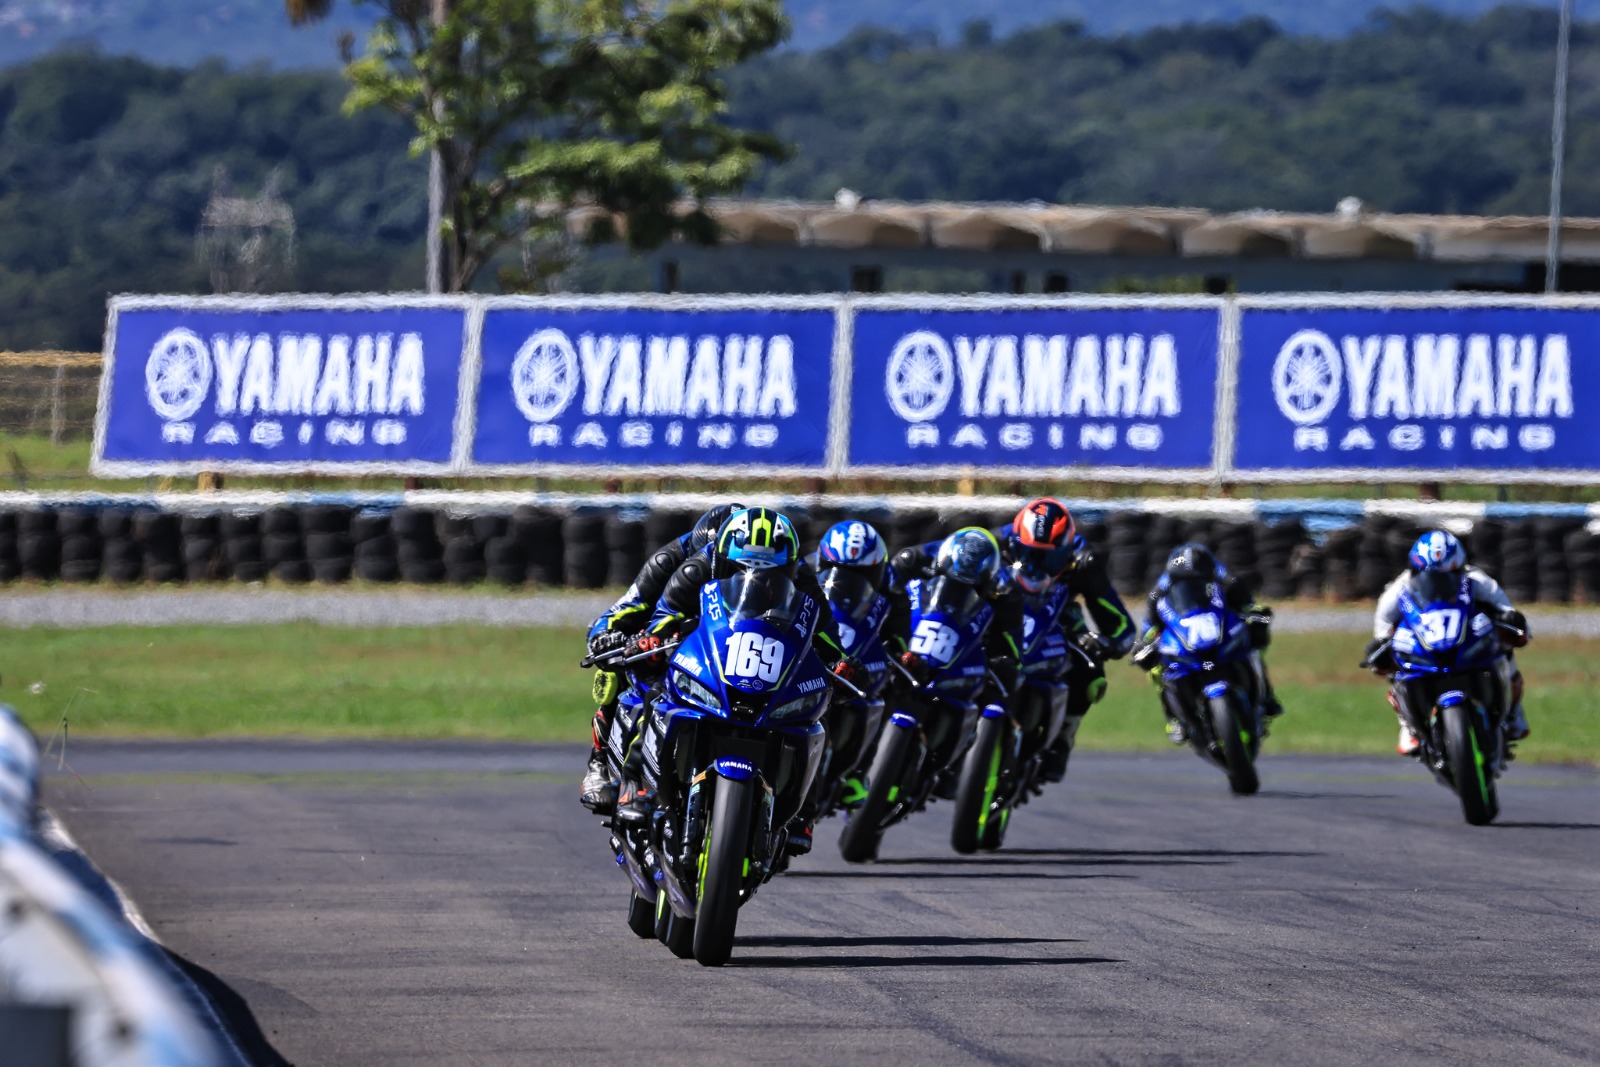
[183,32]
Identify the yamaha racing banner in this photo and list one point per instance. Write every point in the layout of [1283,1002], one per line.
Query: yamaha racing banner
[670,385]
[1106,385]
[1455,388]
[193,384]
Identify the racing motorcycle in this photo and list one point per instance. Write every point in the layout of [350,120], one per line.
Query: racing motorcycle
[1207,680]
[740,738]
[935,711]
[1006,757]
[1447,660]
[853,721]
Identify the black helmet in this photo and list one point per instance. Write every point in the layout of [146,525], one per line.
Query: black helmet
[707,525]
[1192,560]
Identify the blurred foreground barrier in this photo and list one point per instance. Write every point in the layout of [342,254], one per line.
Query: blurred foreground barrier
[76,985]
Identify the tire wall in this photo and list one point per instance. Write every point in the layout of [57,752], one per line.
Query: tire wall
[1537,557]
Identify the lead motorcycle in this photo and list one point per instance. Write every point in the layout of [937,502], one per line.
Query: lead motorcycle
[1447,660]
[935,711]
[1004,763]
[1208,681]
[738,728]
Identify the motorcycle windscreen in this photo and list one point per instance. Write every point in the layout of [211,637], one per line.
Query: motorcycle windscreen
[765,595]
[1188,595]
[1431,588]
[851,593]
[957,601]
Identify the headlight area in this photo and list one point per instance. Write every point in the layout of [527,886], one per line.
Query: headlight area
[695,691]
[798,706]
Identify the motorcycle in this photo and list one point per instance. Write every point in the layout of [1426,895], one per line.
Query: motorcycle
[1208,682]
[853,722]
[935,713]
[1003,765]
[1447,658]
[737,726]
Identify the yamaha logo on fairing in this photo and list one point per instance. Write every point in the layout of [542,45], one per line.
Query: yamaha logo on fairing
[261,379]
[1409,379]
[705,378]
[1087,378]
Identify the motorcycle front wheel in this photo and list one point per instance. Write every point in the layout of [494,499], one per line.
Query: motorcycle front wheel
[1469,772]
[723,863]
[1234,737]
[641,915]
[980,779]
[862,834]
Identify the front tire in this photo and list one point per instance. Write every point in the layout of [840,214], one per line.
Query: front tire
[641,915]
[1468,767]
[862,834]
[1234,737]
[722,872]
[980,778]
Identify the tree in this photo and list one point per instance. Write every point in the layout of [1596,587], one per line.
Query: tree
[536,107]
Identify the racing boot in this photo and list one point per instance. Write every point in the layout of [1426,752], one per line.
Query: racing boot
[800,837]
[1176,733]
[853,790]
[598,792]
[1053,764]
[1516,726]
[1409,743]
[636,798]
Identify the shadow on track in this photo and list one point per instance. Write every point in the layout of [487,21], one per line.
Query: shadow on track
[1289,794]
[798,962]
[1546,825]
[896,941]
[234,1013]
[866,870]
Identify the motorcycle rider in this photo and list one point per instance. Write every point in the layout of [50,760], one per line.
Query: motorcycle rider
[1194,560]
[852,553]
[1042,546]
[1440,550]
[754,539]
[618,625]
[971,555]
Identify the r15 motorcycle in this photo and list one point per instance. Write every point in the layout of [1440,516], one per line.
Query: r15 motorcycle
[737,724]
[853,721]
[1004,761]
[1207,680]
[1449,681]
[935,711]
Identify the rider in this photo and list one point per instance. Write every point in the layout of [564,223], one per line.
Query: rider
[1440,550]
[1043,546]
[1194,560]
[749,539]
[971,555]
[852,565]
[616,627]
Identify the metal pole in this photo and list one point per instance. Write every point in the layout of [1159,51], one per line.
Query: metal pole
[436,193]
[1558,150]
[57,422]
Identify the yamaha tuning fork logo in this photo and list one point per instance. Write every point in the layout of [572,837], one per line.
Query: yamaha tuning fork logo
[177,376]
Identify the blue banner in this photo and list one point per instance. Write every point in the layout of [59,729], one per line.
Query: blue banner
[210,386]
[655,387]
[1432,389]
[1033,386]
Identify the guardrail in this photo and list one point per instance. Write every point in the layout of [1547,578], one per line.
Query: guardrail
[61,949]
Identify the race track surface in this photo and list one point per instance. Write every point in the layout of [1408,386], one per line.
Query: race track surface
[451,904]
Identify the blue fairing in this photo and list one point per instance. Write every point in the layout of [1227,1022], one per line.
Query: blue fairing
[756,671]
[1443,634]
[949,642]
[1044,642]
[1199,632]
[862,639]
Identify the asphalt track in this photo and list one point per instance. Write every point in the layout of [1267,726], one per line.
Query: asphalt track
[450,903]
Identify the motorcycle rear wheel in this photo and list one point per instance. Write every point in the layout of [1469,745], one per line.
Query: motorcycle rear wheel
[863,833]
[1469,772]
[975,792]
[1234,737]
[722,871]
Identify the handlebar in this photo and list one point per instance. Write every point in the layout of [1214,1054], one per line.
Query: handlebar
[618,657]
[854,689]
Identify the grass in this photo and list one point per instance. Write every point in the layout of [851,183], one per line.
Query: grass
[306,680]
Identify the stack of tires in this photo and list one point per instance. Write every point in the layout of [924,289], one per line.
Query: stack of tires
[160,539]
[38,546]
[369,536]
[538,531]
[202,547]
[10,564]
[462,550]
[79,532]
[1582,550]
[1275,546]
[411,550]
[329,551]
[242,558]
[1519,569]
[586,558]
[625,546]
[283,547]
[1553,584]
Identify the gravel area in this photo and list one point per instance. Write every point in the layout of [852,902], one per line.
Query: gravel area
[71,608]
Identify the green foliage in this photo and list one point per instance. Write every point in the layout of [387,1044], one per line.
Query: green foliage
[537,106]
[106,165]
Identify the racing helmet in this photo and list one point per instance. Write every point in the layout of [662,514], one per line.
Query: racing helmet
[1192,560]
[756,539]
[970,555]
[1040,543]
[1438,550]
[856,545]
[707,525]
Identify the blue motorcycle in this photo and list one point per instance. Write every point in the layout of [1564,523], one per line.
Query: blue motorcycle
[1208,682]
[935,710]
[737,723]
[1450,682]
[853,722]
[1006,757]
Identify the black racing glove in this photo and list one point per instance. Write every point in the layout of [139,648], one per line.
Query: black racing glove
[607,641]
